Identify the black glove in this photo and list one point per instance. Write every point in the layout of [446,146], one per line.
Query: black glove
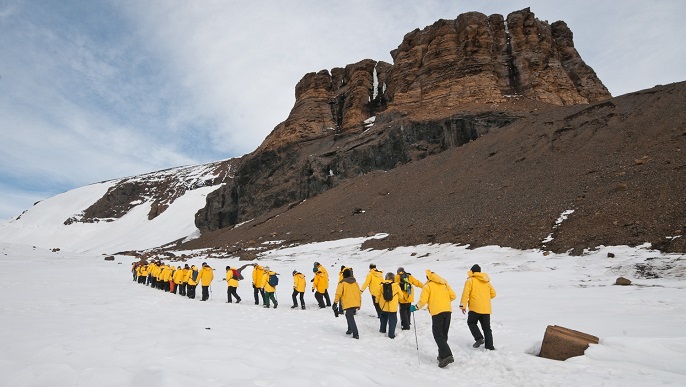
[335,310]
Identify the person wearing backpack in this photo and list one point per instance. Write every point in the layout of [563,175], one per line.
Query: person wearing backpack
[320,285]
[406,281]
[205,277]
[348,291]
[257,285]
[389,292]
[270,282]
[192,282]
[299,284]
[438,295]
[232,284]
[374,278]
[477,295]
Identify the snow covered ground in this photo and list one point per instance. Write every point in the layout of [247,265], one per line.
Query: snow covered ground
[74,319]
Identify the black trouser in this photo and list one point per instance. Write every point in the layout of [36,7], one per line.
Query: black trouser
[390,319]
[326,297]
[257,292]
[405,315]
[191,291]
[205,293]
[320,299]
[182,289]
[231,291]
[302,298]
[485,320]
[440,325]
[350,318]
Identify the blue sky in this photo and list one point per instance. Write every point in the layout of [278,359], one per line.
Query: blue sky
[97,90]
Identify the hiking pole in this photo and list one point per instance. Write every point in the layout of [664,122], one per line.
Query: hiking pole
[414,322]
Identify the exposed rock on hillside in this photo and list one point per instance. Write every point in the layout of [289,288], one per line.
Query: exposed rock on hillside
[442,90]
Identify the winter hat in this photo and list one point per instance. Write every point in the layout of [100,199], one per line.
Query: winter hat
[228,267]
[476,269]
[400,270]
[372,266]
[294,272]
[346,273]
[204,263]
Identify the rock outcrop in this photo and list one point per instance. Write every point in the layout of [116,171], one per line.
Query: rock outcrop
[442,90]
[560,343]
[474,59]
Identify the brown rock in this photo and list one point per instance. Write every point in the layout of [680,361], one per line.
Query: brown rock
[561,343]
[109,258]
[622,281]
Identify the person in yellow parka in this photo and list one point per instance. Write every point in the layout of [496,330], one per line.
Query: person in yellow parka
[152,278]
[205,277]
[348,291]
[232,285]
[177,279]
[258,291]
[192,281]
[299,285]
[374,278]
[476,296]
[406,281]
[320,285]
[184,280]
[389,307]
[438,295]
[269,287]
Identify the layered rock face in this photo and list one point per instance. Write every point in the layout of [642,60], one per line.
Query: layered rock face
[475,59]
[441,91]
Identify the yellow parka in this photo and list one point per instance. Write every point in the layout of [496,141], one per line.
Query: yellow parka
[408,297]
[374,278]
[477,293]
[230,279]
[144,271]
[184,275]
[178,276]
[205,276]
[190,280]
[437,294]
[167,273]
[392,305]
[340,273]
[267,286]
[321,280]
[348,292]
[299,282]
[257,274]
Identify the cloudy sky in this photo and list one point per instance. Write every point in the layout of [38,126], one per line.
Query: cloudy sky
[97,90]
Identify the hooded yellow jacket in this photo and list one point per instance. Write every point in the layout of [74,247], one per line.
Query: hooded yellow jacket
[392,305]
[374,278]
[257,273]
[348,292]
[205,276]
[477,293]
[299,282]
[265,279]
[321,280]
[437,294]
[408,297]
[189,278]
[178,276]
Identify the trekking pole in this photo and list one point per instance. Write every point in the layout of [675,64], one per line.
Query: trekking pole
[210,292]
[414,322]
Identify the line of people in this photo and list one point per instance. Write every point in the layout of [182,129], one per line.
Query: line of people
[390,293]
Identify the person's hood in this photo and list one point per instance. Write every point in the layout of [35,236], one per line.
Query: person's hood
[350,280]
[479,275]
[433,277]
[376,272]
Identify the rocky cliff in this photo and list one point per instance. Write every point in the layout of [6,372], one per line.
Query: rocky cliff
[474,59]
[449,84]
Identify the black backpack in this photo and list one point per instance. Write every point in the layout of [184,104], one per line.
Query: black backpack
[387,291]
